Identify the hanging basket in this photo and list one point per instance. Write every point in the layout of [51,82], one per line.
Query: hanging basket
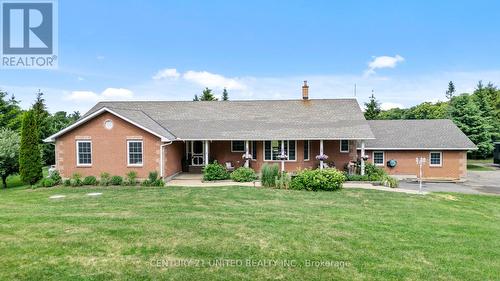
[247,156]
[322,157]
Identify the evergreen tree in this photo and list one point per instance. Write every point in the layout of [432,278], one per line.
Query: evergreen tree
[207,95]
[10,112]
[42,119]
[30,162]
[196,98]
[451,90]
[372,108]
[225,95]
[467,116]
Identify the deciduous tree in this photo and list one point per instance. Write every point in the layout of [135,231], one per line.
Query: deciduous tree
[9,153]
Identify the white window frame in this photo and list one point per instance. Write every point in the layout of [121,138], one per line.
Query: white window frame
[287,151]
[340,146]
[383,158]
[78,164]
[237,150]
[440,159]
[308,150]
[128,152]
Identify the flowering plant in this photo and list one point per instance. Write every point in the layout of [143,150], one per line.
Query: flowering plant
[282,156]
[247,156]
[321,157]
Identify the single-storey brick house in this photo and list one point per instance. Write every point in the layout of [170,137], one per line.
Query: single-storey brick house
[175,136]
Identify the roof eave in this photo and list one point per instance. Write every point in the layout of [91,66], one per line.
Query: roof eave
[53,137]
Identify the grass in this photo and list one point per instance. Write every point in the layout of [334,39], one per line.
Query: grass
[15,180]
[133,233]
[476,167]
[480,161]
[479,164]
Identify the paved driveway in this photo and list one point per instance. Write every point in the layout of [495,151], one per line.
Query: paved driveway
[477,182]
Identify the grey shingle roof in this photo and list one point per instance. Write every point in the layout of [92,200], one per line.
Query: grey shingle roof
[421,134]
[242,120]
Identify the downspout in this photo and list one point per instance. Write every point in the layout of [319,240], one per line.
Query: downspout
[162,162]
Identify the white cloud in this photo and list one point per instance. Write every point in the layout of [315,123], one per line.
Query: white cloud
[83,96]
[166,73]
[80,78]
[383,62]
[389,105]
[211,80]
[117,94]
[92,97]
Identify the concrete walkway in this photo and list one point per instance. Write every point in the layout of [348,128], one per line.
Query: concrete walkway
[195,180]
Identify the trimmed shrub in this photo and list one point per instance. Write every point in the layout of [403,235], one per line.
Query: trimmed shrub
[46,182]
[314,180]
[283,181]
[105,179]
[215,171]
[131,178]
[116,180]
[67,182]
[374,173]
[269,174]
[90,180]
[56,177]
[76,180]
[243,174]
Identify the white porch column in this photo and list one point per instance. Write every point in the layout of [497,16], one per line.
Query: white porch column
[282,153]
[362,157]
[321,153]
[247,151]
[206,153]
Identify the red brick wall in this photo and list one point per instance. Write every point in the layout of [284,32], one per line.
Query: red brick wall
[173,158]
[454,163]
[109,148]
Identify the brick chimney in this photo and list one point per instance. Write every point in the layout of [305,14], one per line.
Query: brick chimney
[305,91]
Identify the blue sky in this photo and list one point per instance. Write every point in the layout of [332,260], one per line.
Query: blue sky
[406,51]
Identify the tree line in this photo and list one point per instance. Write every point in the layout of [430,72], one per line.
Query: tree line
[477,114]
[21,137]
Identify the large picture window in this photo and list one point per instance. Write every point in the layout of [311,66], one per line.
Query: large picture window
[272,150]
[134,148]
[84,153]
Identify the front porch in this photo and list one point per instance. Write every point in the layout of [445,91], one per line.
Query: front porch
[297,154]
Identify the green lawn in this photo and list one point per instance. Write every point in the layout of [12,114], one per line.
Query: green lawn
[476,167]
[134,233]
[15,180]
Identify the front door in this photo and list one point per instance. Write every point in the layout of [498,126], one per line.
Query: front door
[198,150]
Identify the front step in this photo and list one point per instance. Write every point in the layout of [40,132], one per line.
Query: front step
[195,169]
